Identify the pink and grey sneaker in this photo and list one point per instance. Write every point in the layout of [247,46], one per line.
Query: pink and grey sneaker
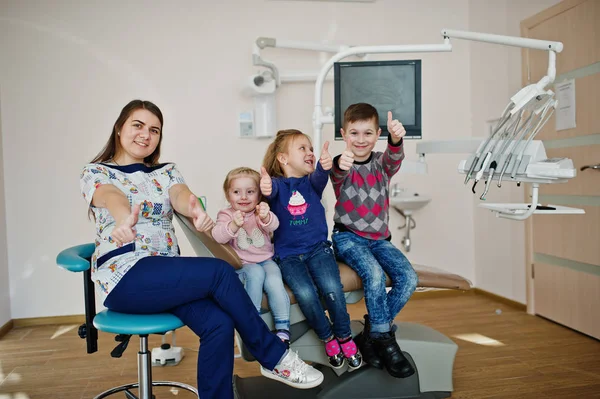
[351,353]
[294,372]
[334,352]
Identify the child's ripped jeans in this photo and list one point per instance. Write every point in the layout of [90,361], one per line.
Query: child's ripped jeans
[370,259]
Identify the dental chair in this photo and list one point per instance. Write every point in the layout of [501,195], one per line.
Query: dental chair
[430,352]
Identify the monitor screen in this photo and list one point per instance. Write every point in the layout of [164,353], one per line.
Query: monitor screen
[387,85]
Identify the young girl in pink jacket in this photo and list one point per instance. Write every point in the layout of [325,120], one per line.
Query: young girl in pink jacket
[247,225]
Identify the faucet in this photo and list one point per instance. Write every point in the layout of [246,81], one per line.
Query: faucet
[396,190]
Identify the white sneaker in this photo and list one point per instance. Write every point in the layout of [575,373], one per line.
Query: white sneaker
[294,372]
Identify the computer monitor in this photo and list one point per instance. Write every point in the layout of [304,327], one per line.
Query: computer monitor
[387,85]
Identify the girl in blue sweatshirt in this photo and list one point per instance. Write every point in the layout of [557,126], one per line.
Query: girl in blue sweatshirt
[294,187]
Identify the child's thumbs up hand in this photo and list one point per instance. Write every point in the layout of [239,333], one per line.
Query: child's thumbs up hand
[263,211]
[347,159]
[266,185]
[325,160]
[395,128]
[238,218]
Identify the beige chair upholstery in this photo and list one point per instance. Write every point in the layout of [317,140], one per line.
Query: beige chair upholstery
[428,277]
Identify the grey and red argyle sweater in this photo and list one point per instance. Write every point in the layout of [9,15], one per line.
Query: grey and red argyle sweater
[362,192]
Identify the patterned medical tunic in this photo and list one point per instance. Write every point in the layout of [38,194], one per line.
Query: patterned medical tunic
[145,185]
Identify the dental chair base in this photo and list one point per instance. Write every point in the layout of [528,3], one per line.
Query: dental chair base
[369,383]
[430,353]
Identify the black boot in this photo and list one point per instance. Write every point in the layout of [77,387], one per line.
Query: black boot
[396,364]
[366,346]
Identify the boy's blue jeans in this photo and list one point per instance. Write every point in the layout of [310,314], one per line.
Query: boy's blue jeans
[266,275]
[314,273]
[370,259]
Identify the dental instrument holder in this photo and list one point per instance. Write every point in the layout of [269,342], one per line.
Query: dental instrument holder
[535,168]
[527,170]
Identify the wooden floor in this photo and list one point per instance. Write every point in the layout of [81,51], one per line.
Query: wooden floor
[537,358]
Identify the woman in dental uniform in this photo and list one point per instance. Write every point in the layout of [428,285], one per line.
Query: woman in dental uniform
[137,265]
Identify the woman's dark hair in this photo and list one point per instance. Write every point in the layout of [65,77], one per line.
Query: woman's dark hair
[113,145]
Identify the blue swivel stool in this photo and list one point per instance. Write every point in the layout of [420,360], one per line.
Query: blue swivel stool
[77,259]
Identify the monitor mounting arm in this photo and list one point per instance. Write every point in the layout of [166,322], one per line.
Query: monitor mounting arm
[344,51]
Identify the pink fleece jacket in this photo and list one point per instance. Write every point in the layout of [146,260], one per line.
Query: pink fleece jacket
[252,242]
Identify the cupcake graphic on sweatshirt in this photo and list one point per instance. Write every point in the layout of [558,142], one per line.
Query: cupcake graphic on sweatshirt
[297,204]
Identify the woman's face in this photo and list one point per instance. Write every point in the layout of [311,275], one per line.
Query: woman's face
[139,136]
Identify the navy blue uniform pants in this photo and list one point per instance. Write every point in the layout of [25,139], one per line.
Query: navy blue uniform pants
[207,295]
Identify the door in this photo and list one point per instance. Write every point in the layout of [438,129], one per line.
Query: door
[563,251]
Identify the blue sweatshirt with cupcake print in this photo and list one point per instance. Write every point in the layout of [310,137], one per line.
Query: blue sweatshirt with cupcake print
[297,203]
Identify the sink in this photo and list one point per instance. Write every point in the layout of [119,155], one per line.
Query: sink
[409,201]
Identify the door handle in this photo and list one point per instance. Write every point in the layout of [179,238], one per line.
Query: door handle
[597,167]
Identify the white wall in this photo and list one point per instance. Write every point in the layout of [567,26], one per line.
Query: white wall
[496,76]
[4,275]
[68,69]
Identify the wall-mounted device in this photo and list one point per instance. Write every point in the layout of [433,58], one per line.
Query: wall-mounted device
[261,122]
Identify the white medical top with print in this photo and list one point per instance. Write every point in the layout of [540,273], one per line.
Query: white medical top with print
[145,185]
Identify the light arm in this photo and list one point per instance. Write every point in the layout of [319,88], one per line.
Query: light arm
[221,232]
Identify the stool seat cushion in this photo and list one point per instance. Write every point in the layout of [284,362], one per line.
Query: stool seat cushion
[136,324]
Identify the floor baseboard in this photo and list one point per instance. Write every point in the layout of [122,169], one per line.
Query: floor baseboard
[6,328]
[506,301]
[439,293]
[50,320]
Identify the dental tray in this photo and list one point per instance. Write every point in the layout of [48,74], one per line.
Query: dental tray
[519,209]
[552,167]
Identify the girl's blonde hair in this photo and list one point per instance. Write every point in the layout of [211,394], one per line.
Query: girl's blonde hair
[237,172]
[281,144]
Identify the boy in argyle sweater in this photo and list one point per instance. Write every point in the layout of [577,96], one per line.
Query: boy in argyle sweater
[361,236]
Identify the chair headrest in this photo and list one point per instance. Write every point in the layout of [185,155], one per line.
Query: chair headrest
[204,244]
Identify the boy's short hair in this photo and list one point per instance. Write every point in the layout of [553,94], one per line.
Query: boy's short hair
[360,112]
